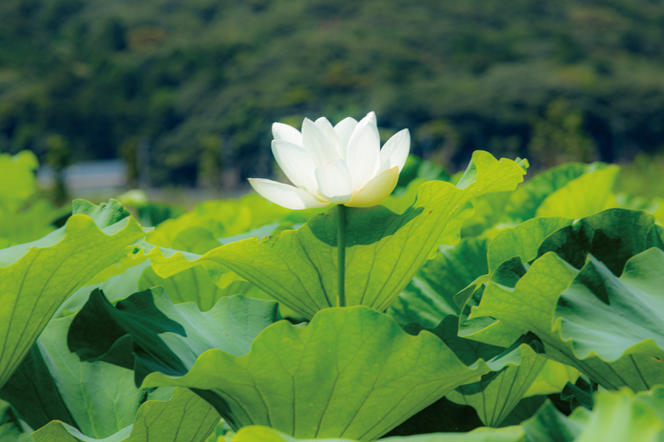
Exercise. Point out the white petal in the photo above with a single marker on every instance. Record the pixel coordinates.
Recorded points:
(314, 141)
(330, 135)
(296, 163)
(344, 130)
(281, 131)
(334, 182)
(285, 195)
(395, 151)
(376, 190)
(363, 156)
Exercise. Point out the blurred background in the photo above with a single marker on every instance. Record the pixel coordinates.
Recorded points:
(168, 95)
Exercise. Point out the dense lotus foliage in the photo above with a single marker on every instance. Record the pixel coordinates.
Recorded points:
(478, 307)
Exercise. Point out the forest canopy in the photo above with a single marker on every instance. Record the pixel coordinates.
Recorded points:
(195, 85)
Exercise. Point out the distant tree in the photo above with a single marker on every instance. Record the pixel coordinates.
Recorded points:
(559, 137)
(58, 157)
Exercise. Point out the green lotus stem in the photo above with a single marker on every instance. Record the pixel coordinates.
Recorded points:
(341, 253)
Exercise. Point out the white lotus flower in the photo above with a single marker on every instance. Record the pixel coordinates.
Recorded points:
(343, 164)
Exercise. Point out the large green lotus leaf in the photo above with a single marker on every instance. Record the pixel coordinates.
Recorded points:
(134, 273)
(522, 241)
(191, 285)
(552, 378)
(101, 397)
(622, 416)
(525, 200)
(513, 370)
(116, 281)
(352, 372)
(256, 433)
(429, 297)
(221, 219)
(505, 254)
(184, 418)
(33, 392)
(488, 213)
(617, 416)
(52, 383)
(550, 425)
(612, 236)
(28, 224)
(498, 392)
(609, 328)
(203, 286)
(35, 278)
(18, 180)
(384, 249)
(147, 332)
(588, 194)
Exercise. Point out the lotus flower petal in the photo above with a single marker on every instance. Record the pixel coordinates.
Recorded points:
(395, 152)
(334, 182)
(363, 154)
(296, 163)
(340, 164)
(288, 133)
(344, 129)
(285, 195)
(330, 135)
(314, 140)
(376, 190)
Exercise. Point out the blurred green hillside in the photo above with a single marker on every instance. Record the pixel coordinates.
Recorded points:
(194, 85)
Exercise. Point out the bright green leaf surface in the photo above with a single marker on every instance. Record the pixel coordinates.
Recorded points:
(511, 434)
(552, 378)
(612, 236)
(117, 282)
(618, 416)
(350, 373)
(148, 332)
(33, 392)
(429, 297)
(498, 392)
(622, 416)
(28, 224)
(37, 277)
(191, 285)
(184, 418)
(18, 180)
(513, 370)
(101, 397)
(384, 249)
(609, 328)
(588, 194)
(550, 425)
(525, 200)
(522, 241)
(209, 221)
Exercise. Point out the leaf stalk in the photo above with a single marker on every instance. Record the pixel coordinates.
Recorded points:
(341, 253)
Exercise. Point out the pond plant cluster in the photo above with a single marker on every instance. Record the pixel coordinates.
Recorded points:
(466, 308)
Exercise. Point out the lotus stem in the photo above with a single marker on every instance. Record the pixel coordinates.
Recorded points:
(341, 253)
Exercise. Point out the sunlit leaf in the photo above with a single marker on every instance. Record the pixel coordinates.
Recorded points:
(350, 373)
(35, 278)
(97, 398)
(588, 194)
(147, 332)
(609, 328)
(384, 249)
(429, 297)
(183, 418)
